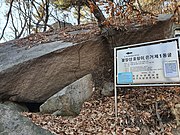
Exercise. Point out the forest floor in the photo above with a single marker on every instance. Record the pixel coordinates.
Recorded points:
(74, 34)
(141, 111)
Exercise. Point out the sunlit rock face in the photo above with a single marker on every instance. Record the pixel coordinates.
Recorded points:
(34, 74)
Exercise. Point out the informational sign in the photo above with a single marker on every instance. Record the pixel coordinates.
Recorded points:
(148, 64)
(152, 62)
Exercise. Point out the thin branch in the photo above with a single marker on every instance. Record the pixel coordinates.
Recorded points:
(142, 11)
(13, 25)
(159, 118)
(22, 23)
(36, 8)
(8, 15)
(22, 30)
(24, 13)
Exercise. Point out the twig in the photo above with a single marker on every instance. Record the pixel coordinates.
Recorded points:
(159, 118)
(8, 15)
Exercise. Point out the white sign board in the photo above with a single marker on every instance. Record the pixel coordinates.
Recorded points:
(152, 62)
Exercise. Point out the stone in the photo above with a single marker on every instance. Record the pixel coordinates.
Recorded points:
(79, 32)
(68, 101)
(13, 123)
(164, 17)
(60, 24)
(35, 74)
(16, 106)
(108, 89)
(140, 34)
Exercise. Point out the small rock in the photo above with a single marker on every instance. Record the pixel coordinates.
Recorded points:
(108, 89)
(163, 17)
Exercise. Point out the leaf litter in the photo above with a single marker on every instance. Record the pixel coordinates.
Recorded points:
(141, 111)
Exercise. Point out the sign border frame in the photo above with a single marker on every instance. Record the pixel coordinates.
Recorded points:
(139, 45)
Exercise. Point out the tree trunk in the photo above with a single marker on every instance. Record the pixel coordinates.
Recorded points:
(79, 12)
(97, 11)
(47, 15)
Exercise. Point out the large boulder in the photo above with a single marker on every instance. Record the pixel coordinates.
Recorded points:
(162, 29)
(15, 106)
(35, 74)
(69, 101)
(12, 123)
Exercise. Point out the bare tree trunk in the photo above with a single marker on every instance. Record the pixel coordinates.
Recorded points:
(97, 12)
(47, 15)
(29, 16)
(79, 12)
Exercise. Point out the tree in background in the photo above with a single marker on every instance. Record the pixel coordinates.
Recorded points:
(78, 5)
(124, 12)
(8, 16)
(25, 17)
(29, 16)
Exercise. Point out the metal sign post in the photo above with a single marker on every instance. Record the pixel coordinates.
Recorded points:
(147, 64)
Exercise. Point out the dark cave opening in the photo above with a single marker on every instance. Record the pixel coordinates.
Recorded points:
(33, 107)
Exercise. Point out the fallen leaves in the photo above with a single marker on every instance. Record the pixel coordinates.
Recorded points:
(63, 34)
(137, 114)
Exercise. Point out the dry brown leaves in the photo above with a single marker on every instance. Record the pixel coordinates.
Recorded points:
(63, 34)
(141, 111)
